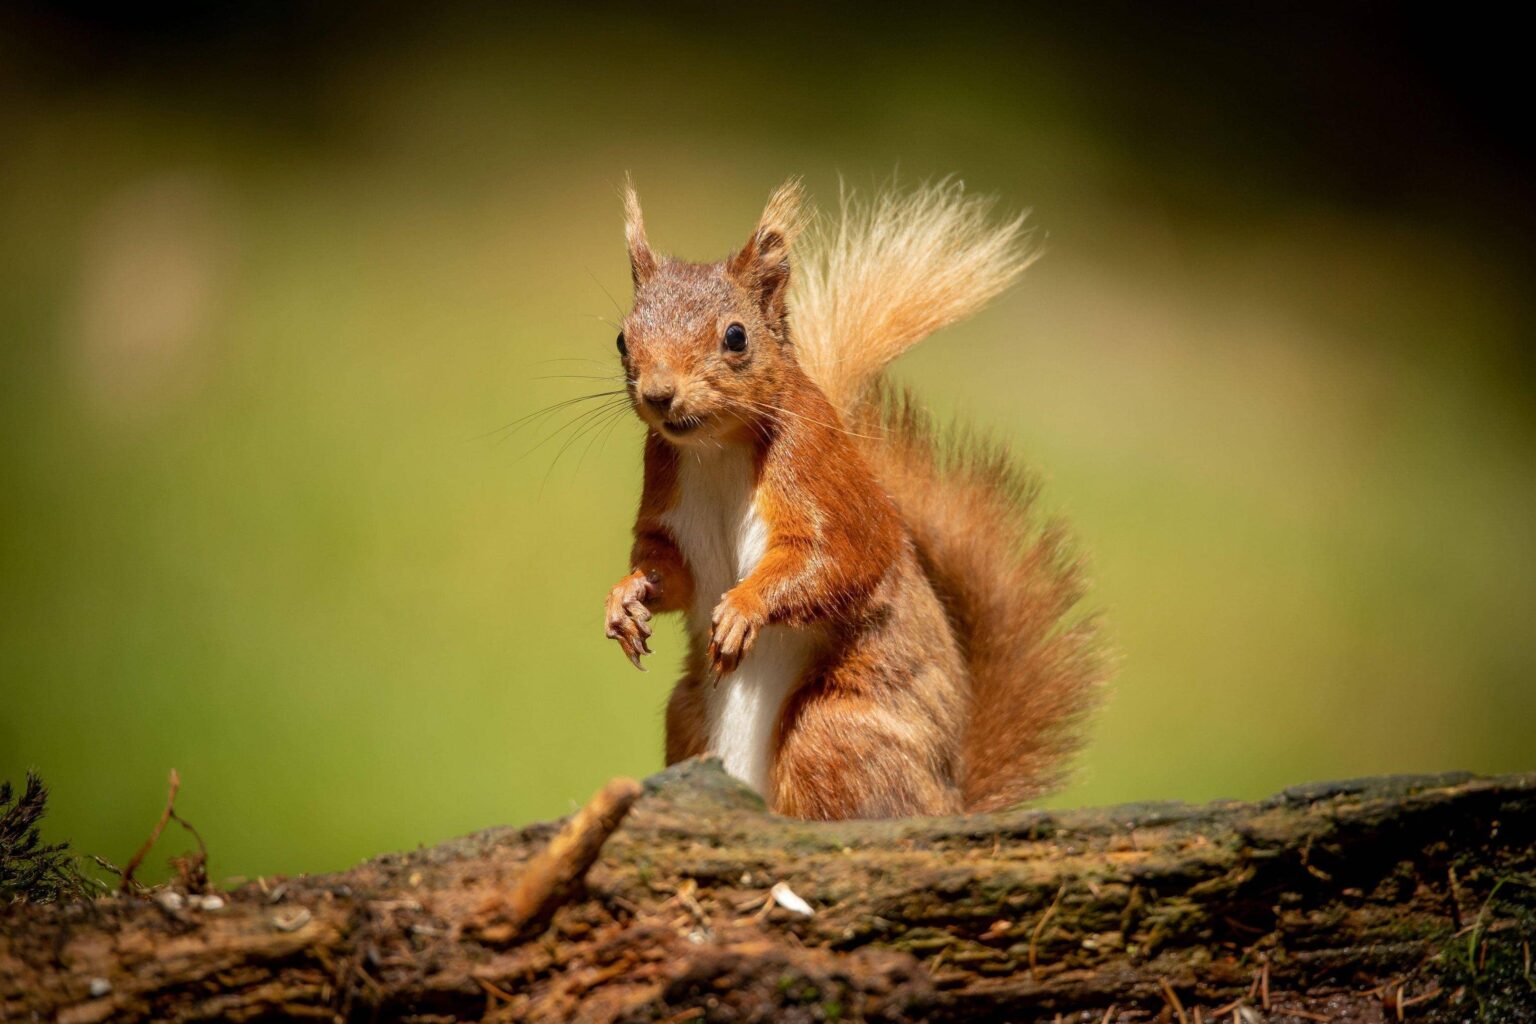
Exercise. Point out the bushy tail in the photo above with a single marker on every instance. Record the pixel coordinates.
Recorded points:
(1010, 584)
(890, 271)
(888, 274)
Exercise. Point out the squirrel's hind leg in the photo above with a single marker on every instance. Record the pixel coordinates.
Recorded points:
(847, 753)
(688, 714)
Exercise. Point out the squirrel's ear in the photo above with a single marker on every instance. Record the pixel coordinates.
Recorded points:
(762, 265)
(642, 261)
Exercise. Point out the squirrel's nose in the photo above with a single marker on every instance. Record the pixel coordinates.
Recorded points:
(659, 397)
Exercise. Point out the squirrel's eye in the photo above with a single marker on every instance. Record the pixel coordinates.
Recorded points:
(735, 338)
(623, 348)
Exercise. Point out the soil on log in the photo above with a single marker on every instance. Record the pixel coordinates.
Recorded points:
(1376, 900)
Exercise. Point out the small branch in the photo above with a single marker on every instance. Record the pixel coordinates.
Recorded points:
(1173, 1000)
(1034, 936)
(553, 876)
(192, 870)
(165, 817)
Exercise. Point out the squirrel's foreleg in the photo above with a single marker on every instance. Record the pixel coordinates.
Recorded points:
(660, 582)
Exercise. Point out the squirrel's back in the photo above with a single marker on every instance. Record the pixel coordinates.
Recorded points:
(871, 285)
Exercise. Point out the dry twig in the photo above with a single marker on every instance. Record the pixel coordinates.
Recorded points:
(553, 875)
(165, 816)
(1173, 1000)
(1034, 937)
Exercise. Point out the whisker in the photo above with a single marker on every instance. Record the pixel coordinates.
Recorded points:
(607, 433)
(579, 418)
(616, 307)
(522, 421)
(760, 429)
(768, 407)
(599, 438)
(612, 378)
(585, 429)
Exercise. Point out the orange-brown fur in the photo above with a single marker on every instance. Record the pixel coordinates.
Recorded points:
(939, 676)
(1009, 585)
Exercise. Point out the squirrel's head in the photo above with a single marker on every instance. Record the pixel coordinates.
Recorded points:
(706, 346)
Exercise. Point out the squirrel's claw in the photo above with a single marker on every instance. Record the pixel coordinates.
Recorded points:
(731, 637)
(633, 647)
(626, 618)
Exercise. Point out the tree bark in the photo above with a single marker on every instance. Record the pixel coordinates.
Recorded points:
(1374, 900)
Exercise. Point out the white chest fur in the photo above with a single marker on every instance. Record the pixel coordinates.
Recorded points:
(716, 523)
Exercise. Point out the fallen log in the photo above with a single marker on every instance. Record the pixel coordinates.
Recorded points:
(1375, 900)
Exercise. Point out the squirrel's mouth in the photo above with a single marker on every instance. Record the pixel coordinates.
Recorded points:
(682, 425)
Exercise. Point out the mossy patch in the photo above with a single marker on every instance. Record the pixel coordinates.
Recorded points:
(30, 869)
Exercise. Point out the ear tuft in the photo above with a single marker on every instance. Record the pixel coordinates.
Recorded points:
(762, 265)
(642, 261)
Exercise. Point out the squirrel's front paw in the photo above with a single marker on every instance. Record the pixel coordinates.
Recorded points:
(627, 617)
(735, 624)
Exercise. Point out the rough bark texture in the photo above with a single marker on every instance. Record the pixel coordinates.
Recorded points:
(1377, 900)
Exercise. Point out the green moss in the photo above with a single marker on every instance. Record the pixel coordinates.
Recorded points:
(1492, 958)
(30, 869)
(1167, 919)
(920, 941)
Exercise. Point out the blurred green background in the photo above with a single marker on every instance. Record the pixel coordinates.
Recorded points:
(273, 281)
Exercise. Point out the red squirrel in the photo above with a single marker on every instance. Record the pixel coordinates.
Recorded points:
(878, 627)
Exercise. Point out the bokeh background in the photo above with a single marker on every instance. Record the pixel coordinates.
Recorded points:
(276, 280)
